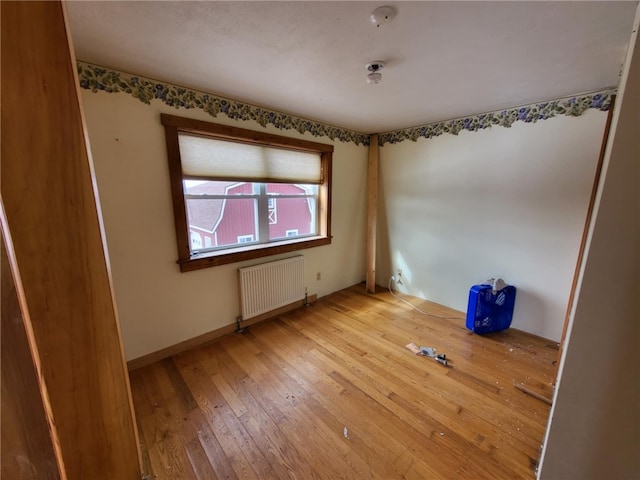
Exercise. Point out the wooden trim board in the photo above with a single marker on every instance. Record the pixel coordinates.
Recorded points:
(372, 212)
(211, 336)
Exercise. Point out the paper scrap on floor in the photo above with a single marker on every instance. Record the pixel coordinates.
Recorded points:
(412, 347)
(424, 351)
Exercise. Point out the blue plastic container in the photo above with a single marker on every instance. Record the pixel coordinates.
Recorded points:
(489, 312)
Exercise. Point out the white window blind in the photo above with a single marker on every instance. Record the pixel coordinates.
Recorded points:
(212, 159)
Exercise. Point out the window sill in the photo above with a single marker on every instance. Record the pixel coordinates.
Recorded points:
(214, 259)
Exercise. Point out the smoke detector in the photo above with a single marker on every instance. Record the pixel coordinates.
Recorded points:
(374, 68)
(382, 15)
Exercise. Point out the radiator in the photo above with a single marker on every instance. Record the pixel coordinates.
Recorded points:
(269, 286)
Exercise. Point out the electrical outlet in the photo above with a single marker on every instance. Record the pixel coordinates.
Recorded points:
(398, 277)
(318, 276)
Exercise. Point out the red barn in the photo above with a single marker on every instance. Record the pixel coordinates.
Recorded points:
(226, 221)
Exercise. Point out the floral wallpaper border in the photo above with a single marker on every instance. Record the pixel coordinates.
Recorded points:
(97, 78)
(571, 106)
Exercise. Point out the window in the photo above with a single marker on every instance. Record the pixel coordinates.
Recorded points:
(245, 238)
(239, 194)
(196, 240)
(273, 212)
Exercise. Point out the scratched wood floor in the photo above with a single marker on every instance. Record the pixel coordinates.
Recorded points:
(330, 392)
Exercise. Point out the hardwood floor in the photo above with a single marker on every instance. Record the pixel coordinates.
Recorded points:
(330, 392)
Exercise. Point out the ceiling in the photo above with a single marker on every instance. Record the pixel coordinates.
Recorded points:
(443, 59)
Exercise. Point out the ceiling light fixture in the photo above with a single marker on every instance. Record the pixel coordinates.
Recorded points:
(374, 75)
(382, 15)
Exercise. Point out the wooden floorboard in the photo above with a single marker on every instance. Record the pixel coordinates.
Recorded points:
(330, 391)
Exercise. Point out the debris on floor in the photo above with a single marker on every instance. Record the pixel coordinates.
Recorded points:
(430, 352)
(412, 347)
(346, 433)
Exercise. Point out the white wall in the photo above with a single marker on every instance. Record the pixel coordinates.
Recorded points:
(594, 425)
(511, 202)
(158, 305)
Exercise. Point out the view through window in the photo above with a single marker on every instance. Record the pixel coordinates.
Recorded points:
(222, 214)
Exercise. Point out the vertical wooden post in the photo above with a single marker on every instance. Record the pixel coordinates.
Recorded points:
(372, 212)
(53, 215)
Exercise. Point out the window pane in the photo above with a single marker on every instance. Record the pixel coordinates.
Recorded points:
(223, 222)
(292, 217)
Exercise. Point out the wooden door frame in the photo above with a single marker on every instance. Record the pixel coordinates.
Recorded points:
(53, 215)
(585, 233)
